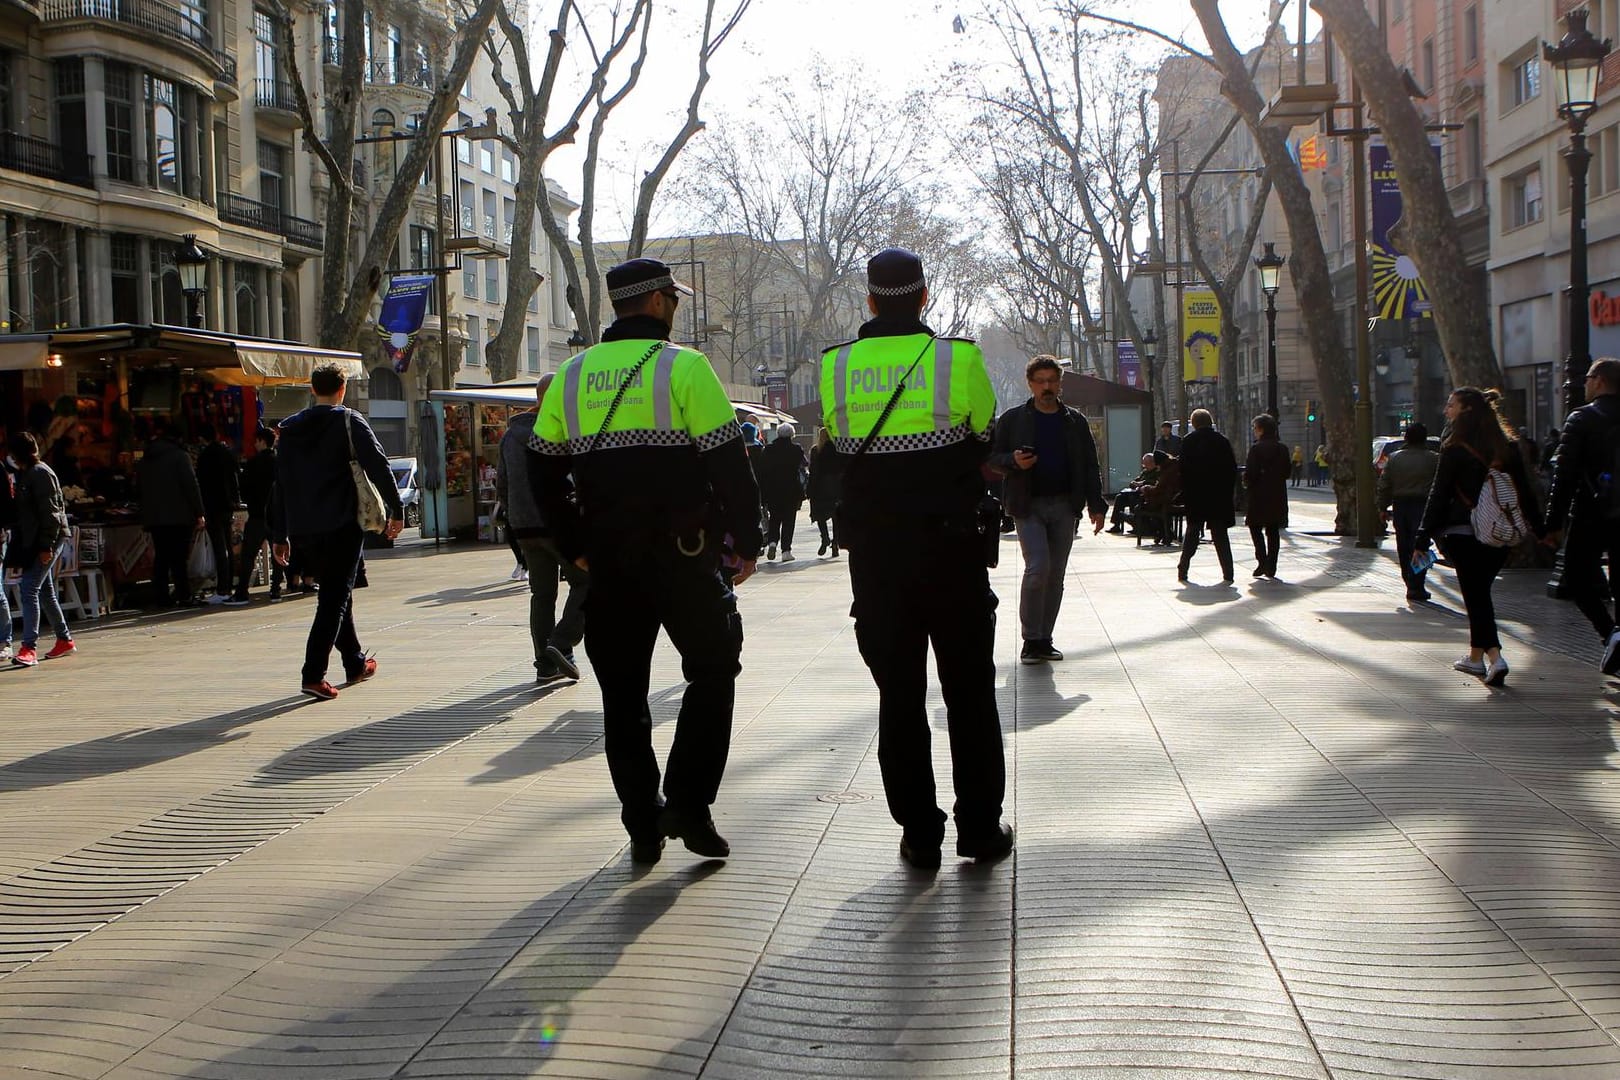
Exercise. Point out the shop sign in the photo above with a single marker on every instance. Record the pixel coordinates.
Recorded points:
(1604, 309)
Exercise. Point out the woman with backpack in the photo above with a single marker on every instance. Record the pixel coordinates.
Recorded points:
(1480, 506)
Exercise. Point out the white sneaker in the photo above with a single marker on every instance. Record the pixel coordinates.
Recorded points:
(1611, 655)
(1497, 673)
(1476, 668)
(5, 652)
(523, 575)
(516, 574)
(787, 556)
(216, 599)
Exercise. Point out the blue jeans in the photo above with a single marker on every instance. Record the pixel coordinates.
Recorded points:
(39, 586)
(5, 605)
(1047, 536)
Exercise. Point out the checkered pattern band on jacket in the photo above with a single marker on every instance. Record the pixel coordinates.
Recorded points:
(900, 444)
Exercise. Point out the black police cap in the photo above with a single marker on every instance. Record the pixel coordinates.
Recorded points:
(642, 276)
(894, 272)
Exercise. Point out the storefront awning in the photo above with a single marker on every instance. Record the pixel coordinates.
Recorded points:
(25, 352)
(251, 361)
(289, 360)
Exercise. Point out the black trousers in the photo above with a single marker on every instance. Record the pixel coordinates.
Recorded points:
(916, 588)
(1217, 536)
(1477, 565)
(1589, 587)
(219, 538)
(780, 526)
(332, 558)
(254, 534)
(1125, 500)
(1406, 515)
(1266, 540)
(639, 584)
(171, 550)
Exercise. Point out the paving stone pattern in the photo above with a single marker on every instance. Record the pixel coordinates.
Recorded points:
(1262, 831)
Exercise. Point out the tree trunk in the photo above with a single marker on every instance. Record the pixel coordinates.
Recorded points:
(1307, 263)
(1430, 236)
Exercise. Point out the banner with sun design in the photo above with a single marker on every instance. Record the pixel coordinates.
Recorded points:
(1397, 290)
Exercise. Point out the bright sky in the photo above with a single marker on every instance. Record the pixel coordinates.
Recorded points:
(901, 43)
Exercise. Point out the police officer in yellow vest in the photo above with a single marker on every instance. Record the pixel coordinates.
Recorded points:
(663, 482)
(908, 517)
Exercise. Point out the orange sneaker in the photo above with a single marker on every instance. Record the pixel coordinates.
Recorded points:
(322, 691)
(363, 672)
(60, 649)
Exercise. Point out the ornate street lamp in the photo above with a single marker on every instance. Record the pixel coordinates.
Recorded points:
(192, 263)
(1576, 62)
(1270, 265)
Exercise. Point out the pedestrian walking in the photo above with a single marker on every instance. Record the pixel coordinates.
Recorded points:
(1208, 482)
(315, 511)
(782, 470)
(8, 523)
(1403, 491)
(1047, 453)
(1265, 475)
(40, 541)
(1586, 501)
(258, 481)
(826, 482)
(1479, 442)
(1297, 464)
(171, 511)
(219, 478)
(911, 413)
(553, 639)
(657, 455)
(1168, 441)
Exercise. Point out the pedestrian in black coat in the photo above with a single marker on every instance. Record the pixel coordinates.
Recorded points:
(826, 482)
(781, 468)
(1265, 475)
(219, 476)
(1208, 479)
(171, 510)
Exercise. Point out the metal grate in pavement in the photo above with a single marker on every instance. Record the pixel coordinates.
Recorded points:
(53, 904)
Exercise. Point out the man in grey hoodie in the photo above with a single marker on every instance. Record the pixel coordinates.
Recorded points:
(554, 639)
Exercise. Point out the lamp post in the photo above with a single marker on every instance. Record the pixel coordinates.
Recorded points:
(1150, 353)
(1270, 265)
(1576, 61)
(192, 263)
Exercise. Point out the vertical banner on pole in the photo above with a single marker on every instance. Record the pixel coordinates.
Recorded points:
(1397, 290)
(1127, 365)
(1201, 322)
(400, 320)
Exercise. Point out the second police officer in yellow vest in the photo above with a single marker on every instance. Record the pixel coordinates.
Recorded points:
(657, 457)
(912, 488)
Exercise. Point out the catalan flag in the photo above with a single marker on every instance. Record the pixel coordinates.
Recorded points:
(1312, 154)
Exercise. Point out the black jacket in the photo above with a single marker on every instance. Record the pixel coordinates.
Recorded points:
(1583, 453)
(1457, 481)
(780, 468)
(218, 475)
(258, 480)
(8, 495)
(826, 481)
(1209, 477)
(41, 515)
(314, 490)
(1016, 427)
(169, 493)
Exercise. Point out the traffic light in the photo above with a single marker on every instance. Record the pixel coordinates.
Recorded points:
(1310, 411)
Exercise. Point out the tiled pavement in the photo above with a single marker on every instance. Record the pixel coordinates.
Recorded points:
(1264, 831)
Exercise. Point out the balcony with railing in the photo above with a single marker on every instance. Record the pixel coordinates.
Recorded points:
(227, 67)
(37, 157)
(273, 93)
(241, 210)
(186, 23)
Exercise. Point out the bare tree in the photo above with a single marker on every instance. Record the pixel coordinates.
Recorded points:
(349, 282)
(1461, 310)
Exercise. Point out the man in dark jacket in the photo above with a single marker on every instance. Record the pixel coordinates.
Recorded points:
(1127, 500)
(171, 510)
(313, 507)
(1403, 491)
(1583, 477)
(1168, 442)
(1050, 459)
(554, 639)
(218, 475)
(1208, 481)
(258, 481)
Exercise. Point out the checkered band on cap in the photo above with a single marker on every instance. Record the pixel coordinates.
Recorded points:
(897, 290)
(625, 292)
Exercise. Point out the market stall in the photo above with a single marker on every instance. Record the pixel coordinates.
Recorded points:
(91, 394)
(472, 421)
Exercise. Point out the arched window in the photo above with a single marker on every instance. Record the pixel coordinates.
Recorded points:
(385, 385)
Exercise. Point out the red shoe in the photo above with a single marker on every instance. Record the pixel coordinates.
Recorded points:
(321, 691)
(60, 649)
(25, 657)
(363, 672)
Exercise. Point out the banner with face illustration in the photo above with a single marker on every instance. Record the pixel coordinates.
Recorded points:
(1201, 345)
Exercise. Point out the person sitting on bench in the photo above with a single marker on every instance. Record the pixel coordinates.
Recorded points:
(1127, 500)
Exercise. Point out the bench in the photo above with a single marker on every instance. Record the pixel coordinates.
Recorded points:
(1164, 525)
(94, 601)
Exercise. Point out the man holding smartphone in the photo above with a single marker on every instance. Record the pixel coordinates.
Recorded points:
(1046, 451)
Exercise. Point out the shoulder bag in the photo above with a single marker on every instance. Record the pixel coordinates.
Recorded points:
(370, 512)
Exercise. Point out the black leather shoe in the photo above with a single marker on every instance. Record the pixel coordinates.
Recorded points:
(646, 852)
(986, 847)
(696, 831)
(919, 855)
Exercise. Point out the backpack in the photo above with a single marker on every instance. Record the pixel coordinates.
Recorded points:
(1497, 518)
